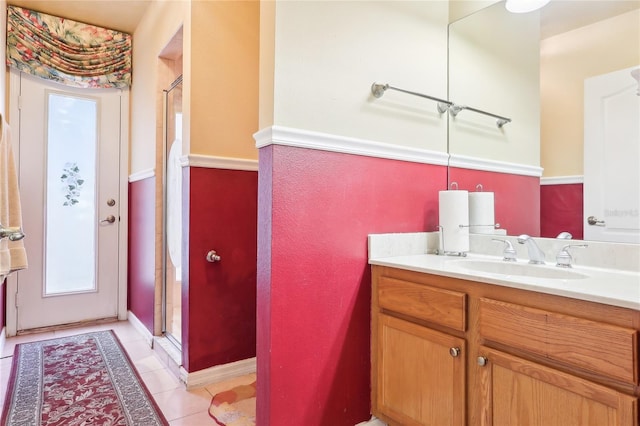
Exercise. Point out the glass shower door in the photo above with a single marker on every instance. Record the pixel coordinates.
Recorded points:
(172, 234)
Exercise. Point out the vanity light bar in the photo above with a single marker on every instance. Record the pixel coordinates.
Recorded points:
(378, 90)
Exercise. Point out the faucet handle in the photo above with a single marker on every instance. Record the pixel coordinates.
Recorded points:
(564, 236)
(563, 258)
(509, 252)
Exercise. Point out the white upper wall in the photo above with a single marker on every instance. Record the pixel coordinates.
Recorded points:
(494, 66)
(328, 53)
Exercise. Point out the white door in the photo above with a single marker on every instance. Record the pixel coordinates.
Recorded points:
(69, 153)
(612, 157)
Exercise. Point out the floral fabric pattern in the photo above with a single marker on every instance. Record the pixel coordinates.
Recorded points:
(70, 52)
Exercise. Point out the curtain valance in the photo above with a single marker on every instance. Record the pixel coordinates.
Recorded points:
(67, 51)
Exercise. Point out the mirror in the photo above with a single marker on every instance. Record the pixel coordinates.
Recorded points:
(531, 68)
(493, 66)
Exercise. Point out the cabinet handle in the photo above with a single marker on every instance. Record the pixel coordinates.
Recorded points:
(454, 352)
(482, 361)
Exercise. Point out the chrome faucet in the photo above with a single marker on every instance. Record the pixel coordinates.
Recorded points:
(509, 253)
(563, 258)
(536, 256)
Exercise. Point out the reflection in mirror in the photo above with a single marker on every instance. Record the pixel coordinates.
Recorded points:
(532, 68)
(493, 66)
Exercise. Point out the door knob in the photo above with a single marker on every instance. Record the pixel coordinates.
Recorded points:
(109, 219)
(482, 361)
(592, 220)
(212, 256)
(454, 352)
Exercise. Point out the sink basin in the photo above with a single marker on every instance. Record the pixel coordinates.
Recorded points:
(519, 269)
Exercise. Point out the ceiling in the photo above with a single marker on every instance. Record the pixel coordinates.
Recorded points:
(121, 15)
(564, 15)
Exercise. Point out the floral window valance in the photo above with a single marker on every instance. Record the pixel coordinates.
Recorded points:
(67, 51)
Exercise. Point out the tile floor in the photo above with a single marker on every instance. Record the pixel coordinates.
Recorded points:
(179, 406)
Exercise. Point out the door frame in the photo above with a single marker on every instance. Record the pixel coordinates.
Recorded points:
(123, 187)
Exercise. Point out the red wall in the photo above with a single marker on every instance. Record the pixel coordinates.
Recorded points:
(517, 197)
(314, 288)
(142, 249)
(561, 209)
(315, 211)
(219, 299)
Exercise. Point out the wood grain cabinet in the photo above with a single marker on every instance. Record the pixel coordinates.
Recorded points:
(517, 391)
(418, 369)
(453, 352)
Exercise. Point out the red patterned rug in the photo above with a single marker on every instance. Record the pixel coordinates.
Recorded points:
(86, 379)
(235, 407)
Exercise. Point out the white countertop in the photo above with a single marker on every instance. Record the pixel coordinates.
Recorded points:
(608, 286)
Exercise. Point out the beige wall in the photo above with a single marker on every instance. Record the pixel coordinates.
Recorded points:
(220, 74)
(3, 69)
(566, 60)
(327, 55)
(162, 20)
(224, 78)
(267, 62)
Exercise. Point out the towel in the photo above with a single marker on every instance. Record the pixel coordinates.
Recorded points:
(12, 253)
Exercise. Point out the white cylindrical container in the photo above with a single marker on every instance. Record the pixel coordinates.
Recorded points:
(453, 211)
(481, 213)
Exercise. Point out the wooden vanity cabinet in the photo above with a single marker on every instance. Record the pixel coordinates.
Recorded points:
(418, 352)
(419, 368)
(453, 352)
(516, 391)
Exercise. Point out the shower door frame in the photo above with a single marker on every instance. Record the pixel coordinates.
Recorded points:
(165, 143)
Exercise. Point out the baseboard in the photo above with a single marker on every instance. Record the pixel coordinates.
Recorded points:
(202, 377)
(218, 373)
(373, 422)
(140, 327)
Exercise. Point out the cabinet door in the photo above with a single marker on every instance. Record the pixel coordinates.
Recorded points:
(420, 374)
(520, 392)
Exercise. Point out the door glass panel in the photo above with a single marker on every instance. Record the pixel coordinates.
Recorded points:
(70, 218)
(173, 207)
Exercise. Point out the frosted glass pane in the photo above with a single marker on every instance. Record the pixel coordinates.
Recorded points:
(71, 193)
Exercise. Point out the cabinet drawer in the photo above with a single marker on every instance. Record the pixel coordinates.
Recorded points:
(431, 304)
(594, 346)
